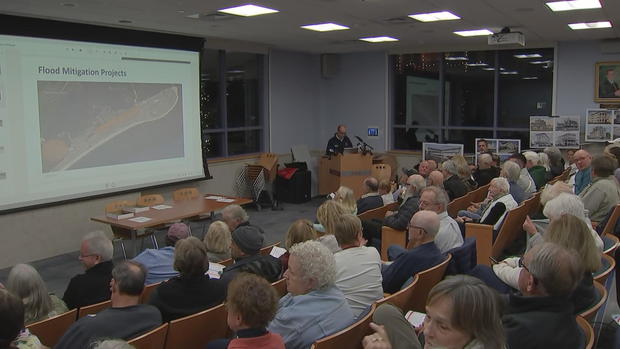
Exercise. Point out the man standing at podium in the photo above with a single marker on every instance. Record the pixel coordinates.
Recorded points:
(340, 141)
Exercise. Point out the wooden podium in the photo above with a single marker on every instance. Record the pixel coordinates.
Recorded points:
(349, 170)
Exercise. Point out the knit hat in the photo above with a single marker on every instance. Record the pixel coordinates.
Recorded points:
(177, 231)
(248, 238)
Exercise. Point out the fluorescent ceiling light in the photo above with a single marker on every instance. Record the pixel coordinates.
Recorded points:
(509, 72)
(456, 58)
(531, 55)
(557, 6)
(477, 32)
(324, 27)
(530, 78)
(435, 16)
(379, 39)
(540, 62)
(248, 10)
(488, 68)
(591, 25)
(476, 64)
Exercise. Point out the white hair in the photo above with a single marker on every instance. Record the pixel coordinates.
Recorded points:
(562, 204)
(316, 262)
(236, 212)
(532, 156)
(544, 160)
(418, 182)
(502, 184)
(99, 244)
(485, 159)
(450, 167)
(511, 170)
(112, 344)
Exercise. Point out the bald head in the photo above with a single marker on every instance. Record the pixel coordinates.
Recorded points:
(371, 184)
(427, 220)
(582, 159)
(436, 178)
(432, 165)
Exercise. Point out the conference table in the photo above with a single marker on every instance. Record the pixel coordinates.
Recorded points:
(169, 212)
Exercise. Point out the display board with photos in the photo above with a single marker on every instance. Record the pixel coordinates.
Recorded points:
(502, 147)
(440, 152)
(602, 125)
(561, 132)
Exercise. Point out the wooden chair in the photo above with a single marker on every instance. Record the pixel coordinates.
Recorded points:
(185, 194)
(588, 331)
(612, 242)
(265, 251)
(146, 292)
(611, 223)
(479, 194)
(280, 287)
(564, 176)
(227, 262)
(402, 298)
(458, 204)
(533, 203)
(51, 330)
(350, 337)
(93, 308)
(427, 280)
(377, 213)
(608, 265)
(150, 200)
(195, 331)
(483, 234)
(510, 230)
(590, 313)
(155, 339)
(389, 237)
(381, 172)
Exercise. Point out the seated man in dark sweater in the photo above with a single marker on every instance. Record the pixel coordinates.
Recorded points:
(126, 318)
(371, 198)
(485, 171)
(541, 315)
(94, 285)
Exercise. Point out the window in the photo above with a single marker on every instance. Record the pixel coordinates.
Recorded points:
(455, 97)
(231, 97)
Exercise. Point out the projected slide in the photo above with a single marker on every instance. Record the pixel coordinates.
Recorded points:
(72, 126)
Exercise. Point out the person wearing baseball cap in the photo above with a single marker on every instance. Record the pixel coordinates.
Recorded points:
(159, 262)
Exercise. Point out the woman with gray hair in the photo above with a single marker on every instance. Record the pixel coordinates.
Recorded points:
(556, 162)
(314, 307)
(499, 203)
(25, 282)
(511, 171)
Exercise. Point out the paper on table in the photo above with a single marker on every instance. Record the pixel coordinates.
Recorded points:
(140, 219)
(213, 197)
(415, 318)
(225, 200)
(161, 207)
(276, 252)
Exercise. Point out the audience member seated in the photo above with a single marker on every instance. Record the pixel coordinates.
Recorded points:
(126, 318)
(328, 214)
(192, 291)
(385, 191)
(112, 344)
(314, 307)
(485, 172)
(556, 162)
(464, 172)
(158, 263)
(217, 240)
(13, 335)
(512, 172)
(452, 183)
(449, 235)
(525, 180)
(26, 283)
(344, 195)
(251, 304)
(423, 254)
(235, 216)
(358, 268)
(603, 194)
(301, 230)
(94, 285)
(541, 316)
(371, 198)
(461, 313)
(432, 165)
(500, 203)
(424, 169)
(583, 177)
(435, 179)
(537, 172)
(245, 251)
(613, 150)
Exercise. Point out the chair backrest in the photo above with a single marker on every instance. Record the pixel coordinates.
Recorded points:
(51, 330)
(150, 200)
(402, 298)
(458, 204)
(117, 205)
(510, 230)
(483, 233)
(155, 339)
(427, 280)
(195, 331)
(464, 258)
(280, 287)
(146, 292)
(587, 330)
(533, 203)
(227, 262)
(376, 213)
(590, 313)
(381, 171)
(564, 176)
(612, 242)
(608, 265)
(185, 194)
(351, 337)
(93, 308)
(265, 251)
(389, 237)
(611, 223)
(480, 193)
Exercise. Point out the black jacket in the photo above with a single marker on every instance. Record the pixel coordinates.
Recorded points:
(401, 218)
(266, 266)
(336, 146)
(454, 187)
(483, 177)
(369, 203)
(89, 288)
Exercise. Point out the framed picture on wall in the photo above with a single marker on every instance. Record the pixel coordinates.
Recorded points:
(440, 152)
(607, 86)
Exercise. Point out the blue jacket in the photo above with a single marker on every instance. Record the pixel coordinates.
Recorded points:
(582, 179)
(158, 264)
(408, 264)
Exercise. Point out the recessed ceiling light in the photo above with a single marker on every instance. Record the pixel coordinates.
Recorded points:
(573, 5)
(509, 72)
(531, 55)
(476, 64)
(488, 69)
(435, 16)
(456, 58)
(477, 32)
(540, 62)
(591, 25)
(530, 78)
(379, 39)
(248, 10)
(324, 27)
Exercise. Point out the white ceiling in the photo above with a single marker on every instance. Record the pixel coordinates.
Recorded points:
(541, 26)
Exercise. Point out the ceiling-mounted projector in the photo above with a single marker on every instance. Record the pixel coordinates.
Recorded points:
(507, 37)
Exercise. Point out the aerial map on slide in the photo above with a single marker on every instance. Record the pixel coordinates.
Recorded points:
(91, 124)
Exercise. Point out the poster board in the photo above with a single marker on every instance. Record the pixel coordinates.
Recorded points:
(440, 152)
(561, 132)
(600, 125)
(503, 147)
